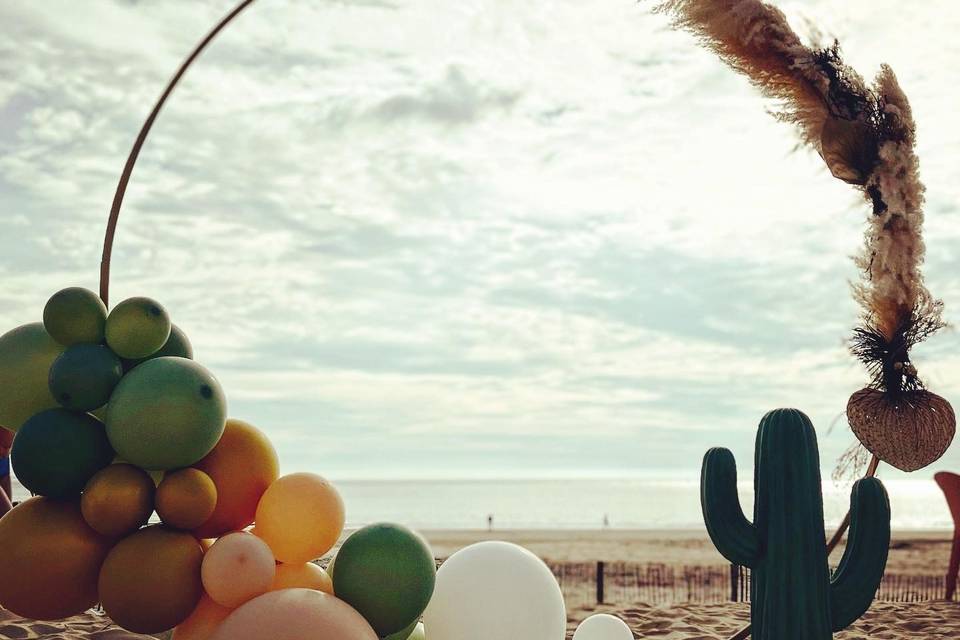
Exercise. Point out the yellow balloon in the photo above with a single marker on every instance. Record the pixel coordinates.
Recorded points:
(26, 354)
(300, 516)
(302, 576)
(118, 500)
(202, 622)
(186, 498)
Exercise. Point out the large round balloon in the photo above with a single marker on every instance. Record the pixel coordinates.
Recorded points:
(295, 614)
(414, 632)
(301, 576)
(202, 622)
(49, 560)
(238, 566)
(84, 376)
(186, 498)
(300, 516)
(150, 581)
(57, 451)
(242, 466)
(166, 413)
(178, 344)
(386, 572)
(137, 328)
(603, 626)
(74, 316)
(26, 354)
(494, 590)
(118, 500)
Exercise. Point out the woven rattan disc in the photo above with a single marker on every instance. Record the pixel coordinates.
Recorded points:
(908, 433)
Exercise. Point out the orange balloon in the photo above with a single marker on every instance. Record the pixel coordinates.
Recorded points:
(238, 566)
(150, 581)
(118, 500)
(302, 576)
(202, 622)
(301, 517)
(242, 466)
(186, 498)
(295, 614)
(49, 560)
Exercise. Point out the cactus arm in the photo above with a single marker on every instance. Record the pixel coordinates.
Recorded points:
(857, 578)
(733, 535)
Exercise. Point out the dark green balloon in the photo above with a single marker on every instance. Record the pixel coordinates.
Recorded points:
(387, 573)
(177, 345)
(84, 375)
(75, 316)
(57, 451)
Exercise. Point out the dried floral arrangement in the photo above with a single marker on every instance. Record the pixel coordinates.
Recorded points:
(866, 135)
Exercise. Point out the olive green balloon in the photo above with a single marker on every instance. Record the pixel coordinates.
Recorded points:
(26, 354)
(413, 632)
(57, 451)
(137, 328)
(83, 377)
(166, 413)
(75, 316)
(387, 573)
(178, 344)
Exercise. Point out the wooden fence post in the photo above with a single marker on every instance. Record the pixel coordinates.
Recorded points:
(734, 581)
(600, 582)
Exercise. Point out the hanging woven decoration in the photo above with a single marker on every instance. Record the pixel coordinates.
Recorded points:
(866, 136)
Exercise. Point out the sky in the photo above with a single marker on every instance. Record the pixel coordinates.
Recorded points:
(484, 238)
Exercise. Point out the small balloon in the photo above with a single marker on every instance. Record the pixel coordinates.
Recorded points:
(603, 626)
(242, 466)
(83, 377)
(495, 590)
(26, 354)
(300, 516)
(185, 420)
(75, 316)
(118, 500)
(295, 614)
(178, 345)
(301, 576)
(386, 572)
(239, 566)
(57, 451)
(150, 581)
(50, 560)
(202, 622)
(186, 498)
(414, 632)
(137, 328)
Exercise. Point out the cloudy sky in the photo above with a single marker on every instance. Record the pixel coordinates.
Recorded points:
(422, 237)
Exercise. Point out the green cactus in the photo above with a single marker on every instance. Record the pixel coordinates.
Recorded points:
(793, 595)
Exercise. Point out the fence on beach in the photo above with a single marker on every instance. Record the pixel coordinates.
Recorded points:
(588, 583)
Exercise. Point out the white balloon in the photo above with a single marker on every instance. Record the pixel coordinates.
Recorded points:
(603, 626)
(495, 591)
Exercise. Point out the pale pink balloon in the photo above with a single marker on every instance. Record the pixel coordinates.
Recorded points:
(238, 566)
(295, 614)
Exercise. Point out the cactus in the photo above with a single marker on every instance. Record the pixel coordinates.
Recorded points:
(793, 595)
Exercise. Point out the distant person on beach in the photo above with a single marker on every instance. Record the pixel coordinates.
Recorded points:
(490, 522)
(6, 490)
(606, 521)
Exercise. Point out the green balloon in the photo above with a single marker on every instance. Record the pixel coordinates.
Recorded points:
(57, 451)
(74, 316)
(84, 376)
(166, 413)
(26, 354)
(387, 573)
(178, 344)
(137, 328)
(412, 632)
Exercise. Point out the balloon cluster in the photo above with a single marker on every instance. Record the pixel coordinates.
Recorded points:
(115, 421)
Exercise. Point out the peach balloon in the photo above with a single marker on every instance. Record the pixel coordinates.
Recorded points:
(49, 560)
(295, 614)
(301, 517)
(302, 576)
(242, 466)
(238, 566)
(186, 498)
(203, 621)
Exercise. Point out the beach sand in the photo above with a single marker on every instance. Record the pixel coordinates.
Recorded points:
(912, 553)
